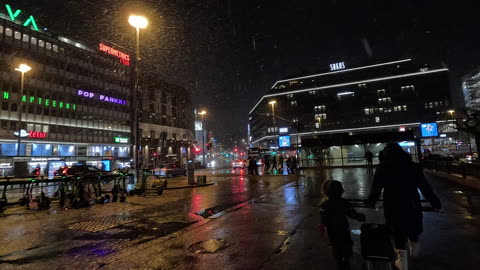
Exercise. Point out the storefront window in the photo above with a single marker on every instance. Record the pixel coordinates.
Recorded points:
(353, 154)
(66, 150)
(10, 149)
(41, 149)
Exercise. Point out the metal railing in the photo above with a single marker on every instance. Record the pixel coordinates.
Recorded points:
(453, 167)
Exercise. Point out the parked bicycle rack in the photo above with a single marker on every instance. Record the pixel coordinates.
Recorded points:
(76, 190)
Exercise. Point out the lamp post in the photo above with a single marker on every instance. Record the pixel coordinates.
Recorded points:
(273, 102)
(22, 68)
(137, 22)
(202, 114)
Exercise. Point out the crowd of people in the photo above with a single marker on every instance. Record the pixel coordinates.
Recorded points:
(273, 164)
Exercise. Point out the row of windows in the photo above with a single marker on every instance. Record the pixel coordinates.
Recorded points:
(272, 129)
(100, 68)
(320, 116)
(77, 112)
(384, 100)
(436, 104)
(58, 132)
(320, 108)
(400, 108)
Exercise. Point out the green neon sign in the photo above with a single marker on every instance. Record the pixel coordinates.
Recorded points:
(44, 102)
(120, 140)
(29, 22)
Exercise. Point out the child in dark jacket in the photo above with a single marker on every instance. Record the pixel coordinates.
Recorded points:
(334, 212)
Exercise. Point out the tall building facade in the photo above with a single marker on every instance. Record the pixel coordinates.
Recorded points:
(76, 102)
(471, 90)
(338, 115)
(166, 122)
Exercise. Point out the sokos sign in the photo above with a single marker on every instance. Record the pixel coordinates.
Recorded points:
(337, 66)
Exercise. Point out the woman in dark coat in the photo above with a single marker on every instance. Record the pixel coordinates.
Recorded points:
(400, 179)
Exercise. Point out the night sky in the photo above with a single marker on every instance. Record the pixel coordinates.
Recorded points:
(228, 53)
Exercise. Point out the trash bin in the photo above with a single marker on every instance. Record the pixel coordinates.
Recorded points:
(201, 179)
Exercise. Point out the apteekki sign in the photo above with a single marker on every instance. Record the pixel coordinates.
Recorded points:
(16, 15)
(46, 102)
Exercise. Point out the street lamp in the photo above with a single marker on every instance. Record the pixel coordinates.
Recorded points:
(137, 22)
(202, 114)
(22, 68)
(451, 112)
(273, 102)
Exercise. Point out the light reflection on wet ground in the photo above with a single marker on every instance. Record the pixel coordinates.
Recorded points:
(256, 229)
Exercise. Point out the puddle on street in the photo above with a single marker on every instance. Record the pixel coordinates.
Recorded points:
(205, 213)
(209, 246)
(143, 228)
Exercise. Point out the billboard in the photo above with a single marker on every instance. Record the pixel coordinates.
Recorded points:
(284, 141)
(429, 130)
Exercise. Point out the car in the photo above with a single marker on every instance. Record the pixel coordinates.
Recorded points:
(170, 170)
(239, 164)
(79, 169)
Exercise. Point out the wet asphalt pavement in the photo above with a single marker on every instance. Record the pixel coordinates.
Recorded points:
(241, 222)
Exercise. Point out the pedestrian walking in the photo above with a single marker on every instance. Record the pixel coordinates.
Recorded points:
(280, 163)
(255, 167)
(288, 162)
(274, 164)
(369, 158)
(400, 179)
(334, 212)
(266, 165)
(248, 163)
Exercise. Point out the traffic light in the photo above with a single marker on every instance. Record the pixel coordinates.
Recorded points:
(236, 149)
(154, 154)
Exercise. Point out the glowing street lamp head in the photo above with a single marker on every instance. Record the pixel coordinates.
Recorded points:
(451, 111)
(202, 112)
(272, 102)
(23, 68)
(137, 21)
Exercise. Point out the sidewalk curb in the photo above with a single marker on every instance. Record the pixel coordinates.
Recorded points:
(191, 186)
(468, 182)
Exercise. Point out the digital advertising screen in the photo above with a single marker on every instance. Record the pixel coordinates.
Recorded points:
(54, 165)
(284, 141)
(429, 130)
(106, 165)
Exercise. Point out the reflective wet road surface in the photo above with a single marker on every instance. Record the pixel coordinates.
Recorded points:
(241, 222)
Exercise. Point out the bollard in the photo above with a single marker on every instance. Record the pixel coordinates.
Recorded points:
(201, 179)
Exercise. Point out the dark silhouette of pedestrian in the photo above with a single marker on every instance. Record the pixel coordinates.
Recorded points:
(274, 164)
(266, 164)
(288, 163)
(369, 158)
(334, 212)
(400, 179)
(250, 167)
(294, 164)
(255, 167)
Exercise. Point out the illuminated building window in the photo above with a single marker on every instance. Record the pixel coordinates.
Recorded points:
(377, 119)
(25, 38)
(33, 41)
(293, 103)
(381, 92)
(367, 111)
(55, 48)
(320, 108)
(48, 46)
(41, 43)
(8, 32)
(405, 108)
(1, 29)
(322, 116)
(17, 35)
